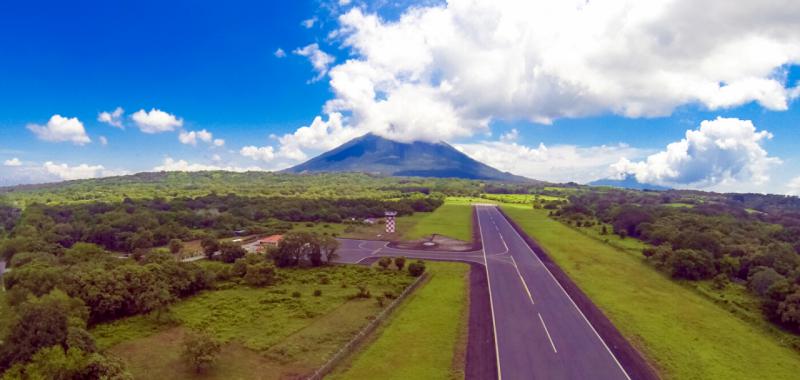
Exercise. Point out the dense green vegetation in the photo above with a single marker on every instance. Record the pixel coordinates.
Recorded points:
(713, 239)
(435, 317)
(685, 334)
(288, 329)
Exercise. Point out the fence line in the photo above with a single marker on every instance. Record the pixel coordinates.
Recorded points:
(359, 338)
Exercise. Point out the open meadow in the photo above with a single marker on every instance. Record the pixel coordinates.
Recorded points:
(285, 330)
(426, 336)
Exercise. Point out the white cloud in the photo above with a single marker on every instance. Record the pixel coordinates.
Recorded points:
(60, 129)
(156, 121)
(172, 165)
(319, 59)
(557, 163)
(264, 153)
(191, 138)
(461, 65)
(510, 136)
(279, 53)
(103, 140)
(113, 118)
(216, 158)
(320, 135)
(344, 2)
(12, 162)
(82, 171)
(721, 152)
(218, 142)
(794, 186)
(309, 23)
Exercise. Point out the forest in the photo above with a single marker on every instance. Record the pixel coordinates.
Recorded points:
(747, 238)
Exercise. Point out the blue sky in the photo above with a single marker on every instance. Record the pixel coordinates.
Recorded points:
(213, 67)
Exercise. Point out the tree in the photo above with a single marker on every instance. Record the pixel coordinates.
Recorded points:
(230, 252)
(200, 351)
(400, 262)
(261, 274)
(175, 246)
(42, 322)
(328, 246)
(416, 268)
(692, 264)
(789, 310)
(762, 279)
(210, 246)
(384, 262)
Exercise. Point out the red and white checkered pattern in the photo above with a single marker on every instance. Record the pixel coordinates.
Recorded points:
(390, 224)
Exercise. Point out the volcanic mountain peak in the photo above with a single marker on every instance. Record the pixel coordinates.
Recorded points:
(377, 155)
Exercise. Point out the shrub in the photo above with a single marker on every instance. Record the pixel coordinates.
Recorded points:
(200, 351)
(175, 246)
(720, 281)
(324, 280)
(363, 292)
(381, 300)
(262, 274)
(296, 294)
(384, 262)
(389, 295)
(317, 293)
(400, 262)
(417, 268)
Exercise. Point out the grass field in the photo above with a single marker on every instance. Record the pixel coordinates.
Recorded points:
(685, 334)
(267, 333)
(453, 219)
(426, 336)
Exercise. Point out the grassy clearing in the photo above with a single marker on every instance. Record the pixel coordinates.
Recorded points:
(268, 333)
(685, 334)
(453, 219)
(425, 337)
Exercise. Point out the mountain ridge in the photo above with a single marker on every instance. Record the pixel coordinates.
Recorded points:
(377, 155)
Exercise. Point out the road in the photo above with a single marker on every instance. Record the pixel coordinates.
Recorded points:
(539, 331)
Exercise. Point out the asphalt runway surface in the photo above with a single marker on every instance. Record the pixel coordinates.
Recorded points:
(539, 331)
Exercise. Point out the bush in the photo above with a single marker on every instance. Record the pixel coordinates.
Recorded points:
(417, 268)
(317, 293)
(400, 262)
(389, 295)
(381, 300)
(296, 294)
(324, 280)
(720, 281)
(175, 246)
(261, 274)
(384, 262)
(363, 292)
(200, 351)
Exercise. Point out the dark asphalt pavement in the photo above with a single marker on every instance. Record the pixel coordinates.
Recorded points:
(539, 331)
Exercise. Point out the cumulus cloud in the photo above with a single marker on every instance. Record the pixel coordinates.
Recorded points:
(82, 171)
(279, 53)
(319, 59)
(557, 163)
(12, 162)
(264, 153)
(463, 64)
(191, 138)
(721, 151)
(320, 135)
(156, 121)
(218, 142)
(794, 186)
(172, 165)
(103, 140)
(113, 118)
(61, 129)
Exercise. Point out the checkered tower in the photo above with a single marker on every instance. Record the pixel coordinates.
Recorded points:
(391, 224)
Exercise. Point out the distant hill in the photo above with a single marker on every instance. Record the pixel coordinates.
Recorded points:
(629, 182)
(376, 155)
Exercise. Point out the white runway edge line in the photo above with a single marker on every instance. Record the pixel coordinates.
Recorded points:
(491, 302)
(548, 333)
(530, 297)
(574, 305)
